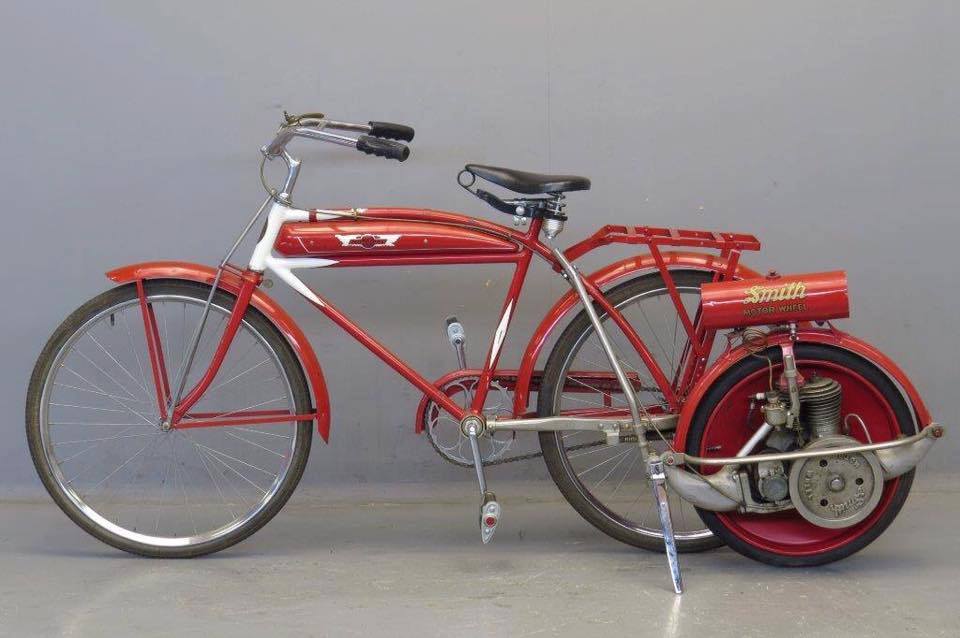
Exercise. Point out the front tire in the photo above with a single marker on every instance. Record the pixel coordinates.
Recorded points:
(91, 402)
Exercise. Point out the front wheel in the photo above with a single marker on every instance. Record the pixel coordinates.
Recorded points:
(94, 430)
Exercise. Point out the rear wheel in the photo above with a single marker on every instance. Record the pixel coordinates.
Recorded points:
(607, 484)
(720, 428)
(94, 432)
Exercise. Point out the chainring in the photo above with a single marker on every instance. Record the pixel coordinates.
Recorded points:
(444, 433)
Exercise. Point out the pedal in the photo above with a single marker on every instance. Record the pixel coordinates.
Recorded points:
(489, 516)
(458, 340)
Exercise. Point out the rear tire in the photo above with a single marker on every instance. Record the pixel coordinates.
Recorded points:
(555, 454)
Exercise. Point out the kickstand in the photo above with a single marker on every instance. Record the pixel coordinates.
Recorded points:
(658, 480)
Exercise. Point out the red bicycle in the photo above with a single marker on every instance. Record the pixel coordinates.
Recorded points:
(171, 415)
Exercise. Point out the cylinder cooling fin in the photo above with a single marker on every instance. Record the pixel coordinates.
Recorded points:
(820, 402)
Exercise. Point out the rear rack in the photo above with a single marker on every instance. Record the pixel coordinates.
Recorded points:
(655, 236)
(730, 246)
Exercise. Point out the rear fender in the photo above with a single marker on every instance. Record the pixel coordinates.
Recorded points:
(675, 260)
(230, 282)
(827, 336)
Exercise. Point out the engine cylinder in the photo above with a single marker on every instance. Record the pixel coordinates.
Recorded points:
(820, 399)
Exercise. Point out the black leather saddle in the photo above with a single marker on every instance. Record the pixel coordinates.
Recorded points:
(529, 183)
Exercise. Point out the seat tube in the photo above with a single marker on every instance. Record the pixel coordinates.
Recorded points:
(500, 335)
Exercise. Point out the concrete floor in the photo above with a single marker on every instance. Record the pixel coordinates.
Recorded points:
(338, 563)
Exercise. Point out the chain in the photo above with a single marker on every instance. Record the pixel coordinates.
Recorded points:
(509, 459)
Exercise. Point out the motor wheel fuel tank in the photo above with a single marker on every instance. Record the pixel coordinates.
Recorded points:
(775, 299)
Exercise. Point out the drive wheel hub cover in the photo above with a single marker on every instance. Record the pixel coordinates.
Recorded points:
(836, 491)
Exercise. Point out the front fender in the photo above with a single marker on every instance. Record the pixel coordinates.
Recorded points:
(828, 336)
(604, 277)
(230, 281)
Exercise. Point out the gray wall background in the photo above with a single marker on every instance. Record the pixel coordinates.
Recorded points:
(130, 132)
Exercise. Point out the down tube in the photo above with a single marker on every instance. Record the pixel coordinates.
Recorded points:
(385, 355)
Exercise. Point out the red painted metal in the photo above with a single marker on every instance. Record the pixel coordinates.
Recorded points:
(775, 299)
(388, 357)
(649, 361)
(457, 232)
(155, 350)
(283, 417)
(249, 282)
(496, 344)
(787, 533)
(827, 336)
(688, 327)
(602, 279)
(654, 236)
(231, 282)
(369, 242)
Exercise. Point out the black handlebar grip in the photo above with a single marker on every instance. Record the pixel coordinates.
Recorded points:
(382, 148)
(391, 131)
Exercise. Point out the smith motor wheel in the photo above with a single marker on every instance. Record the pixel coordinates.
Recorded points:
(842, 503)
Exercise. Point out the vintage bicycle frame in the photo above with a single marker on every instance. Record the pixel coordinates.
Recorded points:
(397, 221)
(528, 244)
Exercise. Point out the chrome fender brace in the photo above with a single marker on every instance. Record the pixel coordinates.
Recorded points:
(654, 464)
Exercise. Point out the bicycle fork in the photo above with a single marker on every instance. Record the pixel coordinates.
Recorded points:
(654, 463)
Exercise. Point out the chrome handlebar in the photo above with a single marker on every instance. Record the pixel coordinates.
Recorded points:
(376, 140)
(312, 125)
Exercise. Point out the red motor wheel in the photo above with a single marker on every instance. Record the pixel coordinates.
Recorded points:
(720, 428)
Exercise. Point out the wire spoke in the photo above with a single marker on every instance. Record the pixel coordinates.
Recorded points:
(626, 474)
(120, 403)
(106, 438)
(121, 466)
(234, 378)
(228, 433)
(120, 365)
(282, 436)
(84, 407)
(602, 463)
(135, 350)
(623, 457)
(97, 392)
(104, 373)
(233, 458)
